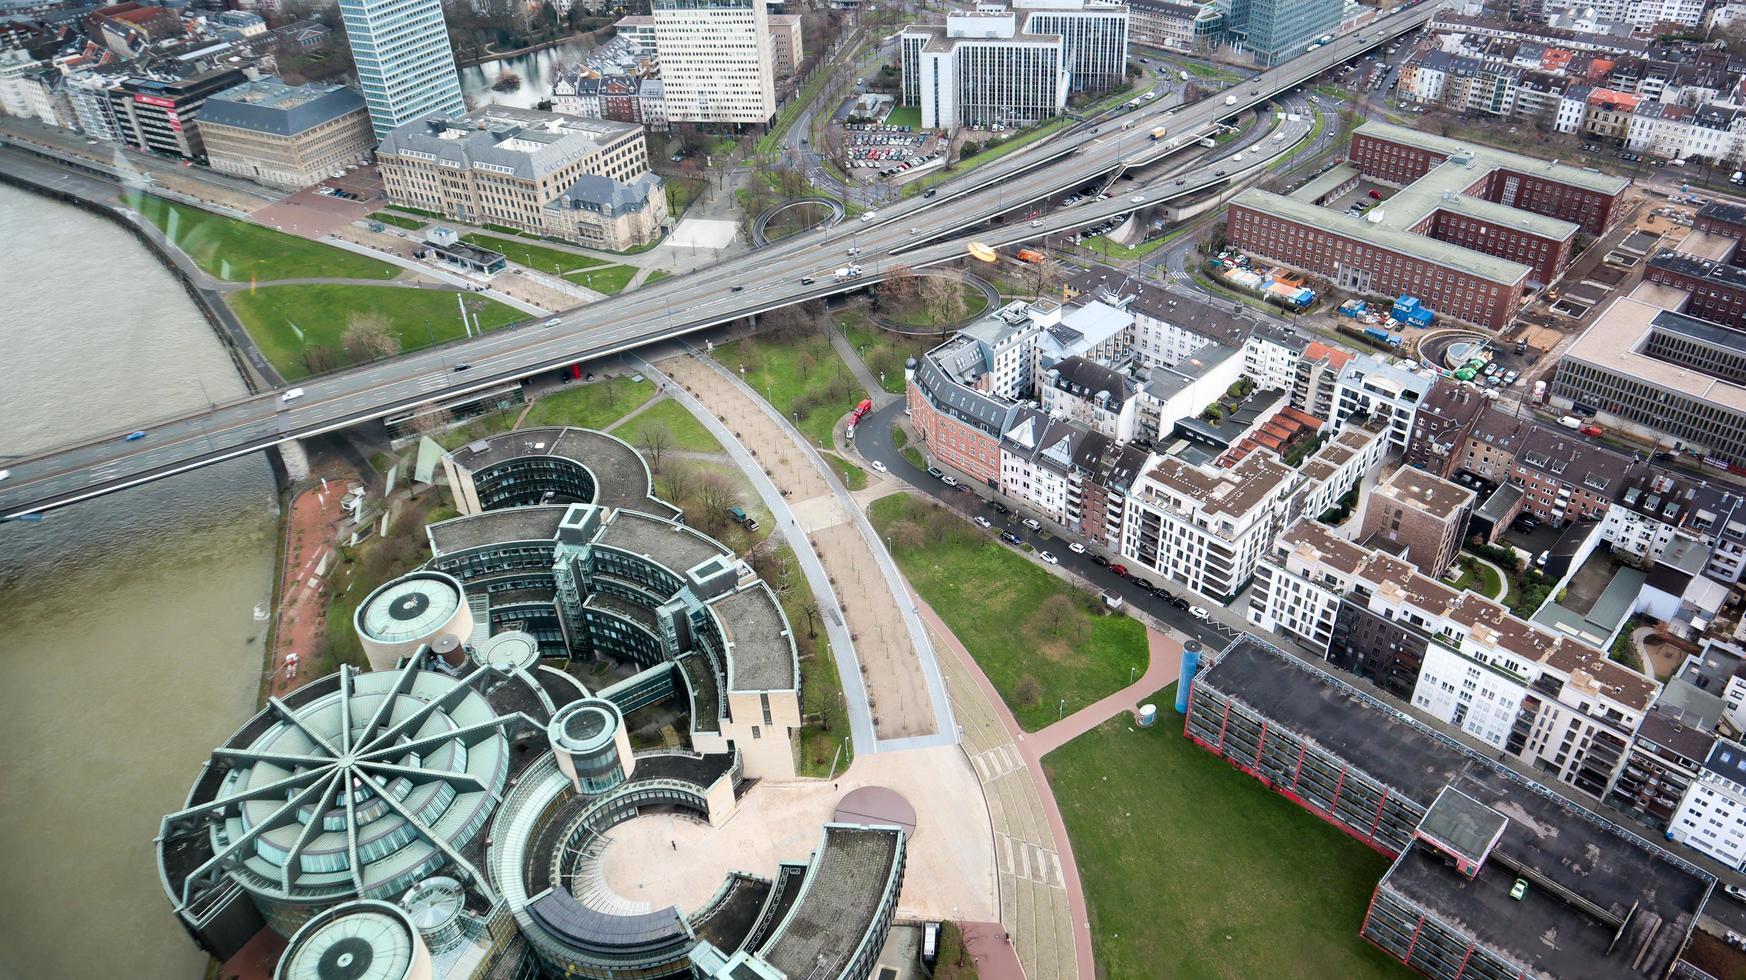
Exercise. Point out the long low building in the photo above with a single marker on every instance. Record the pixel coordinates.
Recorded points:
(1470, 230)
(1493, 875)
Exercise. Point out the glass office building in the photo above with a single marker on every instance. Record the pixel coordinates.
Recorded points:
(405, 66)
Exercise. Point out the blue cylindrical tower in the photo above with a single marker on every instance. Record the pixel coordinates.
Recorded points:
(1190, 665)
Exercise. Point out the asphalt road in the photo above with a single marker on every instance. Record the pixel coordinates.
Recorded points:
(918, 232)
(873, 440)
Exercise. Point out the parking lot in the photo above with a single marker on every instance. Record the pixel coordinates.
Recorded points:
(888, 150)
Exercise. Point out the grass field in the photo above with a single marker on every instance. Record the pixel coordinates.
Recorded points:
(909, 452)
(683, 429)
(905, 115)
(655, 276)
(243, 252)
(801, 376)
(549, 260)
(915, 312)
(275, 314)
(591, 406)
(1479, 577)
(852, 476)
(397, 220)
(1192, 869)
(821, 688)
(608, 279)
(1110, 249)
(993, 599)
(881, 350)
(1014, 142)
(418, 211)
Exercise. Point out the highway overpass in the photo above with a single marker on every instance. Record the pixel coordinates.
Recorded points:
(916, 233)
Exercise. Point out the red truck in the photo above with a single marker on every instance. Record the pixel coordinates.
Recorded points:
(861, 411)
(1592, 430)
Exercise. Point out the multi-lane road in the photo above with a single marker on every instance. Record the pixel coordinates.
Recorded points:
(918, 232)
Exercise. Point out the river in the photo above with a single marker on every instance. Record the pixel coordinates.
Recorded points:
(128, 644)
(535, 68)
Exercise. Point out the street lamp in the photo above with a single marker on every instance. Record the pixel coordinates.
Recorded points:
(1061, 712)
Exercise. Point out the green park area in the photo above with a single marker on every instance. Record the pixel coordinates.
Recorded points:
(823, 736)
(303, 330)
(795, 369)
(1038, 639)
(595, 274)
(397, 220)
(905, 115)
(932, 302)
(228, 248)
(682, 430)
(1192, 869)
(590, 406)
(883, 351)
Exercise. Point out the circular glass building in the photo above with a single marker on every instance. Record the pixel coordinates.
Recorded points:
(410, 612)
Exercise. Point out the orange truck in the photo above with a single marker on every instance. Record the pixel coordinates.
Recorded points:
(1030, 255)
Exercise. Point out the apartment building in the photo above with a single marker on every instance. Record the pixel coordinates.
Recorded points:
(1164, 23)
(1091, 394)
(1712, 815)
(405, 66)
(1204, 526)
(717, 61)
(584, 180)
(1374, 388)
(1440, 427)
(1316, 377)
(1337, 467)
(1418, 517)
(1561, 706)
(1565, 478)
(285, 135)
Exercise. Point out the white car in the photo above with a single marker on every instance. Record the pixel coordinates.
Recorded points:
(4, 474)
(1136, 199)
(879, 466)
(1076, 548)
(949, 480)
(291, 394)
(1033, 524)
(1051, 559)
(552, 322)
(981, 521)
(1199, 612)
(1037, 223)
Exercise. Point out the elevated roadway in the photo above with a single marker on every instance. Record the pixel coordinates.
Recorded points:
(918, 232)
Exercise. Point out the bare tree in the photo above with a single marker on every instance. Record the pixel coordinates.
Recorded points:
(900, 284)
(430, 418)
(1028, 691)
(1058, 618)
(320, 359)
(943, 296)
(1046, 275)
(369, 335)
(678, 485)
(655, 439)
(908, 535)
(715, 494)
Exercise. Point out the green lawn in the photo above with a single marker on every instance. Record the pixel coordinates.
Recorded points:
(418, 211)
(905, 115)
(909, 452)
(549, 260)
(1104, 246)
(243, 252)
(681, 191)
(801, 376)
(916, 313)
(590, 406)
(992, 598)
(818, 742)
(1479, 577)
(1013, 142)
(1192, 869)
(275, 314)
(881, 350)
(655, 276)
(609, 279)
(683, 429)
(852, 476)
(397, 220)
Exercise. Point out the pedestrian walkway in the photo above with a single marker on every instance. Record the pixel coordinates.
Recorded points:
(858, 367)
(896, 668)
(1163, 668)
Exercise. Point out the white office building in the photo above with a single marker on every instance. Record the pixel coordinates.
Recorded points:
(1369, 385)
(1094, 38)
(405, 66)
(717, 65)
(981, 70)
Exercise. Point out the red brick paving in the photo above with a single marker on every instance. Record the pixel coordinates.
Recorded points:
(310, 528)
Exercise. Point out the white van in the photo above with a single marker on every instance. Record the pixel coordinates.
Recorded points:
(291, 395)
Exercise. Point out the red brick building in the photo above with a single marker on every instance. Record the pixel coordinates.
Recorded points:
(1718, 289)
(1471, 230)
(960, 425)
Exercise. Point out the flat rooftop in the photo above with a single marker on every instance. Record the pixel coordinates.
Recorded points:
(1558, 839)
(1707, 270)
(763, 657)
(537, 523)
(1232, 492)
(673, 546)
(851, 874)
(1611, 342)
(621, 478)
(1425, 492)
(1487, 156)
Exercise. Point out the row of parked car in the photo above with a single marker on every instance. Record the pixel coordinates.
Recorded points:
(1035, 526)
(327, 191)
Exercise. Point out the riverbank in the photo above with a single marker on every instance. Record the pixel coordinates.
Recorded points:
(496, 56)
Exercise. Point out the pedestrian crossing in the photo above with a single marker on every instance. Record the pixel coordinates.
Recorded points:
(996, 762)
(1025, 860)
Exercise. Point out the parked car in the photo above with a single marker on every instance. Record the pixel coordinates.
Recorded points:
(981, 521)
(1735, 892)
(879, 467)
(949, 480)
(1121, 570)
(1100, 560)
(1010, 538)
(936, 472)
(1078, 549)
(1033, 524)
(1519, 889)
(1199, 612)
(999, 508)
